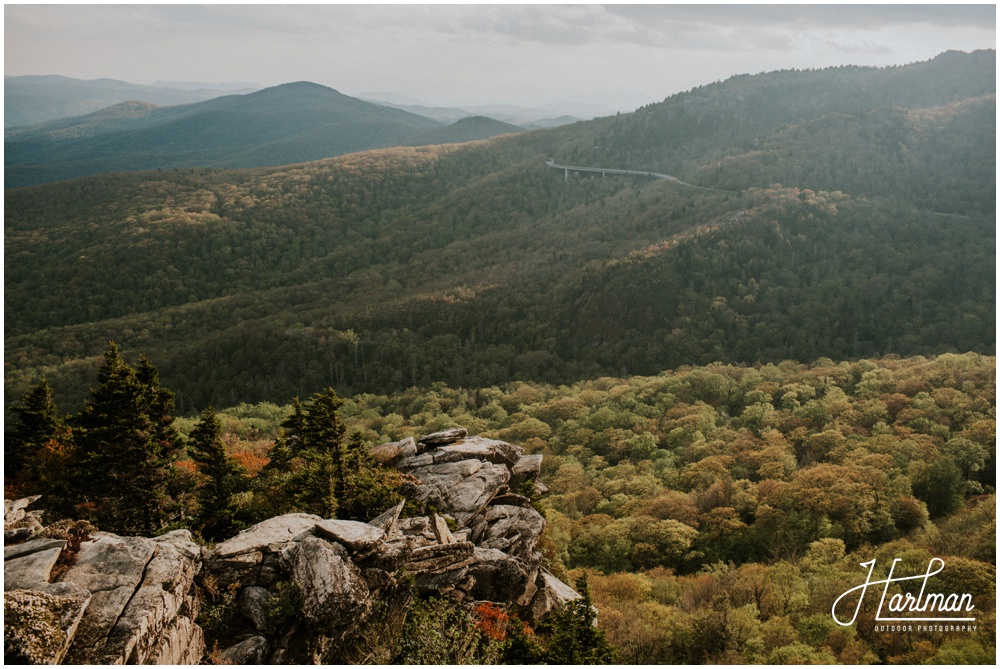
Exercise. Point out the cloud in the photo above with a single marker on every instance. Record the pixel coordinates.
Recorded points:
(854, 17)
(481, 53)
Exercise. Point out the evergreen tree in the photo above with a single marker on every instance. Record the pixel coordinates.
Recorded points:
(366, 488)
(522, 646)
(573, 635)
(334, 477)
(316, 434)
(125, 446)
(38, 421)
(217, 513)
(280, 455)
(38, 452)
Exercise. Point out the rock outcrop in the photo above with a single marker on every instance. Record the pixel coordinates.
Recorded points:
(113, 600)
(297, 583)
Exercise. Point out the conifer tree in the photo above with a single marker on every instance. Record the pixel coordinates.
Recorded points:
(224, 477)
(336, 477)
(38, 452)
(574, 637)
(316, 434)
(366, 488)
(125, 446)
(38, 421)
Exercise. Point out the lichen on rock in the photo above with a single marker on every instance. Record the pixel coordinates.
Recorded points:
(39, 627)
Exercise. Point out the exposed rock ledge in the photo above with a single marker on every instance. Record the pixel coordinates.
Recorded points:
(134, 600)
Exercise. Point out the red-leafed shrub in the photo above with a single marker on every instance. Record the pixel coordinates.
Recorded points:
(491, 621)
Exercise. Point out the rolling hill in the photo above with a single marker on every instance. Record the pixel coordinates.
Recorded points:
(30, 100)
(476, 264)
(463, 130)
(281, 125)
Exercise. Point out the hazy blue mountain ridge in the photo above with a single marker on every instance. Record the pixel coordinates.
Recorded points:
(33, 99)
(291, 123)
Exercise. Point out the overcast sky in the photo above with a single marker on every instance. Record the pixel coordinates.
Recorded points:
(622, 56)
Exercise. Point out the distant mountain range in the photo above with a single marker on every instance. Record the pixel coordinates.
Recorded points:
(291, 123)
(36, 99)
(462, 130)
(546, 116)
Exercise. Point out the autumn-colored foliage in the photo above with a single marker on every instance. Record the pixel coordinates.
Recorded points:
(491, 620)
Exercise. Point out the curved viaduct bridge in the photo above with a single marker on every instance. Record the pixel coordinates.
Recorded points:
(607, 170)
(603, 171)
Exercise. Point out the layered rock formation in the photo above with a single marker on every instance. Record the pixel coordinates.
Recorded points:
(299, 584)
(86, 597)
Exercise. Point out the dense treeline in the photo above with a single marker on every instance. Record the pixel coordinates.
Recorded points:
(691, 129)
(120, 465)
(926, 157)
(779, 273)
(477, 265)
(718, 510)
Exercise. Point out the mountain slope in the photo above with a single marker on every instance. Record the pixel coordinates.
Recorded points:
(476, 264)
(682, 133)
(284, 124)
(122, 116)
(29, 100)
(463, 130)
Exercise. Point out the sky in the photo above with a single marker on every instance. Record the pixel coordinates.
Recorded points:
(617, 56)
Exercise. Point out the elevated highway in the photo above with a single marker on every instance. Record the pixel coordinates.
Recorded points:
(604, 171)
(608, 170)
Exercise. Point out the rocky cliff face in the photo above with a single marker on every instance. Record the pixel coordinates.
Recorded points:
(79, 596)
(296, 585)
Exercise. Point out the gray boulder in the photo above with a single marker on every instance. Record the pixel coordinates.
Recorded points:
(30, 571)
(29, 547)
(440, 557)
(13, 510)
(527, 468)
(390, 558)
(552, 594)
(351, 534)
(271, 533)
(334, 592)
(510, 499)
(512, 529)
(490, 450)
(183, 642)
(253, 602)
(242, 559)
(441, 438)
(392, 451)
(441, 531)
(388, 522)
(498, 577)
(125, 624)
(111, 568)
(461, 488)
(248, 651)
(19, 524)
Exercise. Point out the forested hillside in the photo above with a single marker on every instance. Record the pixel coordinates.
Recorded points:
(284, 124)
(718, 510)
(476, 264)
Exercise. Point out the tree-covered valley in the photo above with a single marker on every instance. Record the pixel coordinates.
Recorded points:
(476, 264)
(745, 380)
